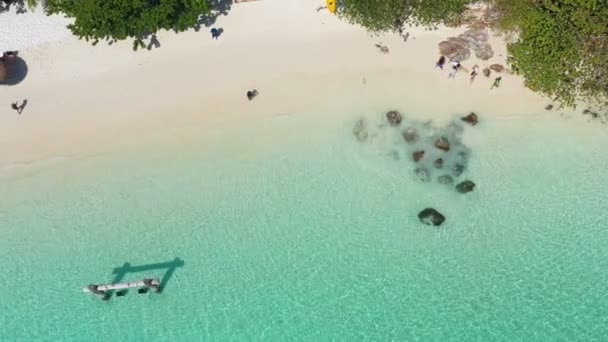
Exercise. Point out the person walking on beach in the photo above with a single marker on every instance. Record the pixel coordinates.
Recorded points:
(251, 94)
(496, 83)
(474, 73)
(440, 62)
(19, 108)
(455, 66)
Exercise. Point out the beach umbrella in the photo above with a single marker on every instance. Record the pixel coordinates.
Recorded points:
(2, 71)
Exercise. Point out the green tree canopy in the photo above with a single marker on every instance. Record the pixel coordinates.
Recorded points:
(121, 19)
(562, 49)
(382, 15)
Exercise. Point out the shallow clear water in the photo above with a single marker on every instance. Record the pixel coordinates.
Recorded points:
(293, 230)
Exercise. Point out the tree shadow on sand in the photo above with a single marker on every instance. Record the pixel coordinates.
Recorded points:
(12, 71)
(149, 40)
(20, 6)
(218, 8)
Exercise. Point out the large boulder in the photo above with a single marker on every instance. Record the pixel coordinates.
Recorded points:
(459, 48)
(484, 52)
(423, 174)
(431, 217)
(410, 135)
(471, 119)
(442, 144)
(464, 187)
(393, 117)
(497, 67)
(418, 155)
(360, 130)
(455, 49)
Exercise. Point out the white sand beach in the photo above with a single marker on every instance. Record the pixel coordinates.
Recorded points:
(82, 98)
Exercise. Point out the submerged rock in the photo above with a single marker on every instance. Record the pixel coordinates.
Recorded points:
(394, 117)
(418, 155)
(442, 144)
(423, 174)
(471, 119)
(445, 179)
(464, 187)
(590, 112)
(360, 130)
(431, 217)
(410, 135)
(438, 163)
(457, 169)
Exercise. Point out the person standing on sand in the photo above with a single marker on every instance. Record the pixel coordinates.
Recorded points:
(440, 62)
(496, 83)
(474, 73)
(455, 66)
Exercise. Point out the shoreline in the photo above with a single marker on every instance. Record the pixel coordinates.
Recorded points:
(84, 98)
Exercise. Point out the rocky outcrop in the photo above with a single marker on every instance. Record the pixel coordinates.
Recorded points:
(410, 135)
(418, 155)
(438, 163)
(360, 130)
(442, 144)
(471, 119)
(459, 48)
(497, 67)
(455, 49)
(423, 174)
(431, 217)
(464, 187)
(445, 179)
(394, 117)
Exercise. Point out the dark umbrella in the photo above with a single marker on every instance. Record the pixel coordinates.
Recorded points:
(12, 71)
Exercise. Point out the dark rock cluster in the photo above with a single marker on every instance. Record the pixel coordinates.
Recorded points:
(436, 154)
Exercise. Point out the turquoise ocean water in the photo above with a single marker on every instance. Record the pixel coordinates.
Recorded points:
(287, 229)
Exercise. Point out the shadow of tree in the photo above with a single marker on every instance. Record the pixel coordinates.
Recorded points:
(21, 5)
(218, 8)
(16, 71)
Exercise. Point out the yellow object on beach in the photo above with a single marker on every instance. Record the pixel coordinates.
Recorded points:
(331, 5)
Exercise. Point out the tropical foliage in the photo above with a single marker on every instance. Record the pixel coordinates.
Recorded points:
(562, 50)
(382, 15)
(112, 20)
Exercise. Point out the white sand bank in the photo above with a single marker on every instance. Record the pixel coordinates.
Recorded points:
(83, 97)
